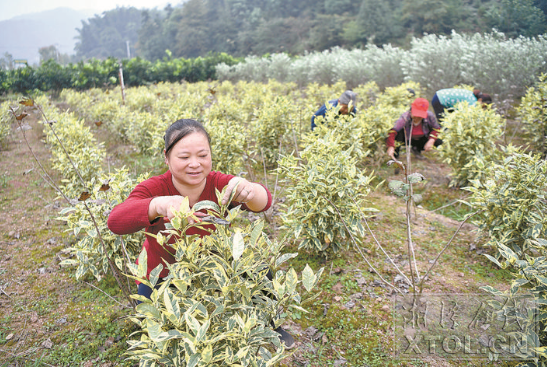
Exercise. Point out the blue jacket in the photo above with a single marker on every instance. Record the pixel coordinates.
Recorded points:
(323, 110)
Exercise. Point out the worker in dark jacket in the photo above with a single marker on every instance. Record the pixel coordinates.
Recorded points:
(346, 99)
(424, 129)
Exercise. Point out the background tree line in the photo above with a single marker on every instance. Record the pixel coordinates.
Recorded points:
(243, 27)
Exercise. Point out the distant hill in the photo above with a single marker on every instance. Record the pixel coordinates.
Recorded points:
(23, 35)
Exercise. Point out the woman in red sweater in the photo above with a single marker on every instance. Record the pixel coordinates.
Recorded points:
(188, 155)
(150, 205)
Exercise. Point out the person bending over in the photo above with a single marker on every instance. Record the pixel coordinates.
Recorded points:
(344, 102)
(446, 99)
(424, 128)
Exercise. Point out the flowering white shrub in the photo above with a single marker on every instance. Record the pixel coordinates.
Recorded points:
(497, 65)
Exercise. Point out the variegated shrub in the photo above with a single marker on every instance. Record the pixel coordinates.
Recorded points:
(89, 254)
(533, 114)
(217, 307)
(326, 174)
(514, 220)
(470, 142)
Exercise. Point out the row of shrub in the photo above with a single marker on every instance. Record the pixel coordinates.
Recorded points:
(492, 62)
(254, 125)
(217, 305)
(51, 76)
(498, 65)
(251, 123)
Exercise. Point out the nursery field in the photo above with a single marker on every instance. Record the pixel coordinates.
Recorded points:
(61, 305)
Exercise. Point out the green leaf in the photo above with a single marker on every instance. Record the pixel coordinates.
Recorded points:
(291, 280)
(207, 354)
(415, 178)
(238, 246)
(202, 331)
(308, 278)
(206, 204)
(493, 259)
(541, 279)
(171, 305)
(256, 232)
(417, 198)
(281, 259)
(148, 310)
(192, 322)
(154, 274)
(194, 360)
(399, 188)
(143, 261)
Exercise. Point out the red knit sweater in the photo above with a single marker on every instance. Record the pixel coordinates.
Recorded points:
(132, 215)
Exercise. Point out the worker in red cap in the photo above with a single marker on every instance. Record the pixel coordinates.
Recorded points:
(424, 128)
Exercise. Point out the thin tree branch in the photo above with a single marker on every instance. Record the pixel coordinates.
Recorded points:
(61, 144)
(358, 248)
(420, 286)
(264, 166)
(109, 296)
(379, 245)
(444, 206)
(110, 262)
(50, 182)
(411, 254)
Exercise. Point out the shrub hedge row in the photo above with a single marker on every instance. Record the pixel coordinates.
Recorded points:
(51, 76)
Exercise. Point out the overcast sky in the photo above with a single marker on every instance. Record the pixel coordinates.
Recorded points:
(13, 8)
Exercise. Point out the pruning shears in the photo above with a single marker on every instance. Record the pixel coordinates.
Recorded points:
(215, 220)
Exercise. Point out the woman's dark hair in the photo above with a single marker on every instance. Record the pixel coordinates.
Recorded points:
(179, 129)
(484, 97)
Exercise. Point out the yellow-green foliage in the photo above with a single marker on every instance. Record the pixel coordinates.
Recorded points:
(464, 86)
(514, 220)
(89, 254)
(224, 123)
(324, 173)
(376, 121)
(367, 95)
(274, 120)
(512, 198)
(6, 119)
(82, 147)
(217, 307)
(400, 97)
(533, 113)
(344, 129)
(87, 156)
(469, 142)
(318, 94)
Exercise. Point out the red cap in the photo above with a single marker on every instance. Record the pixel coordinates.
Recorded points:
(419, 107)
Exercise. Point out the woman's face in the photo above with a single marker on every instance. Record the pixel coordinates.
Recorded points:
(190, 160)
(416, 120)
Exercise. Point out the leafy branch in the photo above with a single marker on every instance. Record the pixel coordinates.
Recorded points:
(83, 196)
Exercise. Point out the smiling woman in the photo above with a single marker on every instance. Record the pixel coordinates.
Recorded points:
(151, 204)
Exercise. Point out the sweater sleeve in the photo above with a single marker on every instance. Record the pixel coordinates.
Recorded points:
(434, 125)
(132, 215)
(390, 141)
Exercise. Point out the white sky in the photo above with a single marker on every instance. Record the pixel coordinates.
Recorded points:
(12, 8)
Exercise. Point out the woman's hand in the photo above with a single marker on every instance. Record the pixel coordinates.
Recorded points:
(252, 194)
(429, 145)
(391, 152)
(163, 206)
